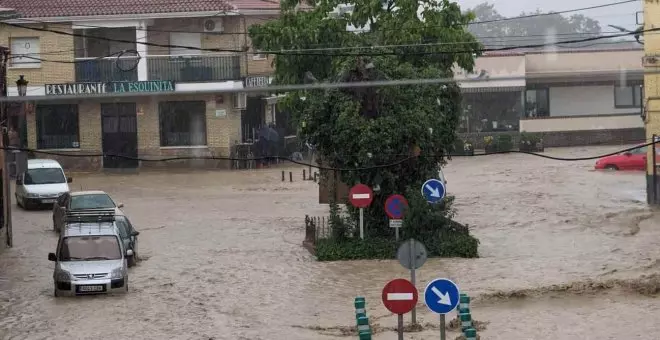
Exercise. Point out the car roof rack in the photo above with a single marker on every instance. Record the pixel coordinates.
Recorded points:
(90, 216)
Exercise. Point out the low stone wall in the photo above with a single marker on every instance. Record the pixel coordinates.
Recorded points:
(567, 138)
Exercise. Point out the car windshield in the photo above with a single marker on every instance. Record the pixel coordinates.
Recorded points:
(44, 176)
(90, 248)
(92, 201)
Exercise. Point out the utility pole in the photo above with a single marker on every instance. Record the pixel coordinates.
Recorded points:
(4, 141)
(651, 103)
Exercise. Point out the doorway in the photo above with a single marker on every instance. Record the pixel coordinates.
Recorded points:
(119, 135)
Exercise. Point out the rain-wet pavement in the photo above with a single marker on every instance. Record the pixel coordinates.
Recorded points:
(223, 258)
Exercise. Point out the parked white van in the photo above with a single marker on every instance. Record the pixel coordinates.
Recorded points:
(42, 183)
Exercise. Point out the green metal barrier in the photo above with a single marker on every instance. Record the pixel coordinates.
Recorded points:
(465, 318)
(363, 327)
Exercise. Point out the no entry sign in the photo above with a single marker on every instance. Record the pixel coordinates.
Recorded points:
(399, 296)
(360, 196)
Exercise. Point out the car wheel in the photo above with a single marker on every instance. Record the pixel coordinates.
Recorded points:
(611, 167)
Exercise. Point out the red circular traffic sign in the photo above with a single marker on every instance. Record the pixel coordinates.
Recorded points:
(360, 196)
(395, 207)
(400, 296)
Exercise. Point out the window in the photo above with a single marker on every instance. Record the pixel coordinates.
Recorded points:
(95, 201)
(25, 52)
(90, 248)
(44, 176)
(259, 56)
(185, 39)
(628, 96)
(537, 103)
(182, 123)
(57, 126)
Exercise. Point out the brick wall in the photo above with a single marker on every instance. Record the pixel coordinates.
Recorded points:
(50, 44)
(221, 134)
(232, 40)
(257, 67)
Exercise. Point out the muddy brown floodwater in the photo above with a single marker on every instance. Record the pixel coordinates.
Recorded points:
(567, 253)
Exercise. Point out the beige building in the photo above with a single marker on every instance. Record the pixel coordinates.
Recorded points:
(572, 97)
(148, 99)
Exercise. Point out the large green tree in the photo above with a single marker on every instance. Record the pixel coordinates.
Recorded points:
(363, 127)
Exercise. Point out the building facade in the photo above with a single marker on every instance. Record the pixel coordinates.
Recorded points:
(573, 97)
(651, 62)
(138, 80)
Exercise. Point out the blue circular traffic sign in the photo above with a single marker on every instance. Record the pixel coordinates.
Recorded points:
(441, 296)
(433, 190)
(395, 207)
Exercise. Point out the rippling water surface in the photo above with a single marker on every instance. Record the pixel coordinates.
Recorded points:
(224, 260)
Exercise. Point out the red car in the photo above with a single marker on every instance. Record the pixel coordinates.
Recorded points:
(631, 160)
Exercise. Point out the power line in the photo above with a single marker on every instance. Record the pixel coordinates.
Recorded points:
(536, 15)
(289, 52)
(526, 16)
(514, 38)
(380, 166)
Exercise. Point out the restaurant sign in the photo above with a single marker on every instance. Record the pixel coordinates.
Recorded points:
(110, 87)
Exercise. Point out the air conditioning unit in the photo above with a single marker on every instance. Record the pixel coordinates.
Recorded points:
(213, 26)
(240, 100)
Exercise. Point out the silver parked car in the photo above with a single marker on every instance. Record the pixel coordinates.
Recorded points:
(81, 200)
(90, 257)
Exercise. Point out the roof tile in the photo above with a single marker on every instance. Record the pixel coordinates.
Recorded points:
(68, 8)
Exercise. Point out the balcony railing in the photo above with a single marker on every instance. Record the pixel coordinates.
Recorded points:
(106, 70)
(194, 68)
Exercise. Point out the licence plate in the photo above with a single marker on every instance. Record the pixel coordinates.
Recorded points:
(48, 201)
(89, 289)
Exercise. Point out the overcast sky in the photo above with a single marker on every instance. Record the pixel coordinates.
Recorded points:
(620, 15)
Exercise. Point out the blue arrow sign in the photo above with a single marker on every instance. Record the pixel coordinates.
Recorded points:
(433, 190)
(441, 296)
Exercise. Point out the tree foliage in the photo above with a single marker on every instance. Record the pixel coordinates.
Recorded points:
(369, 126)
(531, 30)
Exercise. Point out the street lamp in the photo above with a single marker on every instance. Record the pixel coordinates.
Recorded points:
(22, 84)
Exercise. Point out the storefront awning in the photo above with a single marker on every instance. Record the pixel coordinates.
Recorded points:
(486, 85)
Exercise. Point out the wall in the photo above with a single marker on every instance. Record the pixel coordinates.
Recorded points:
(89, 127)
(585, 100)
(581, 123)
(221, 133)
(158, 33)
(257, 67)
(652, 92)
(585, 62)
(495, 66)
(235, 25)
(567, 138)
(48, 72)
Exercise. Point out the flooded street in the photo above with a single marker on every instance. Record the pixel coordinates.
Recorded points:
(566, 253)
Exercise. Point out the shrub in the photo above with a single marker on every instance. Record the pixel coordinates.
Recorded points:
(428, 223)
(504, 143)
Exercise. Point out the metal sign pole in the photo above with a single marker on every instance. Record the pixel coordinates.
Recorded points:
(362, 223)
(413, 252)
(443, 336)
(399, 327)
(396, 234)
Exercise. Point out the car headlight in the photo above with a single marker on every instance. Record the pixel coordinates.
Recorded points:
(63, 276)
(117, 273)
(29, 194)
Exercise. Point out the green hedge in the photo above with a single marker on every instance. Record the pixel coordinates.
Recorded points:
(445, 243)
